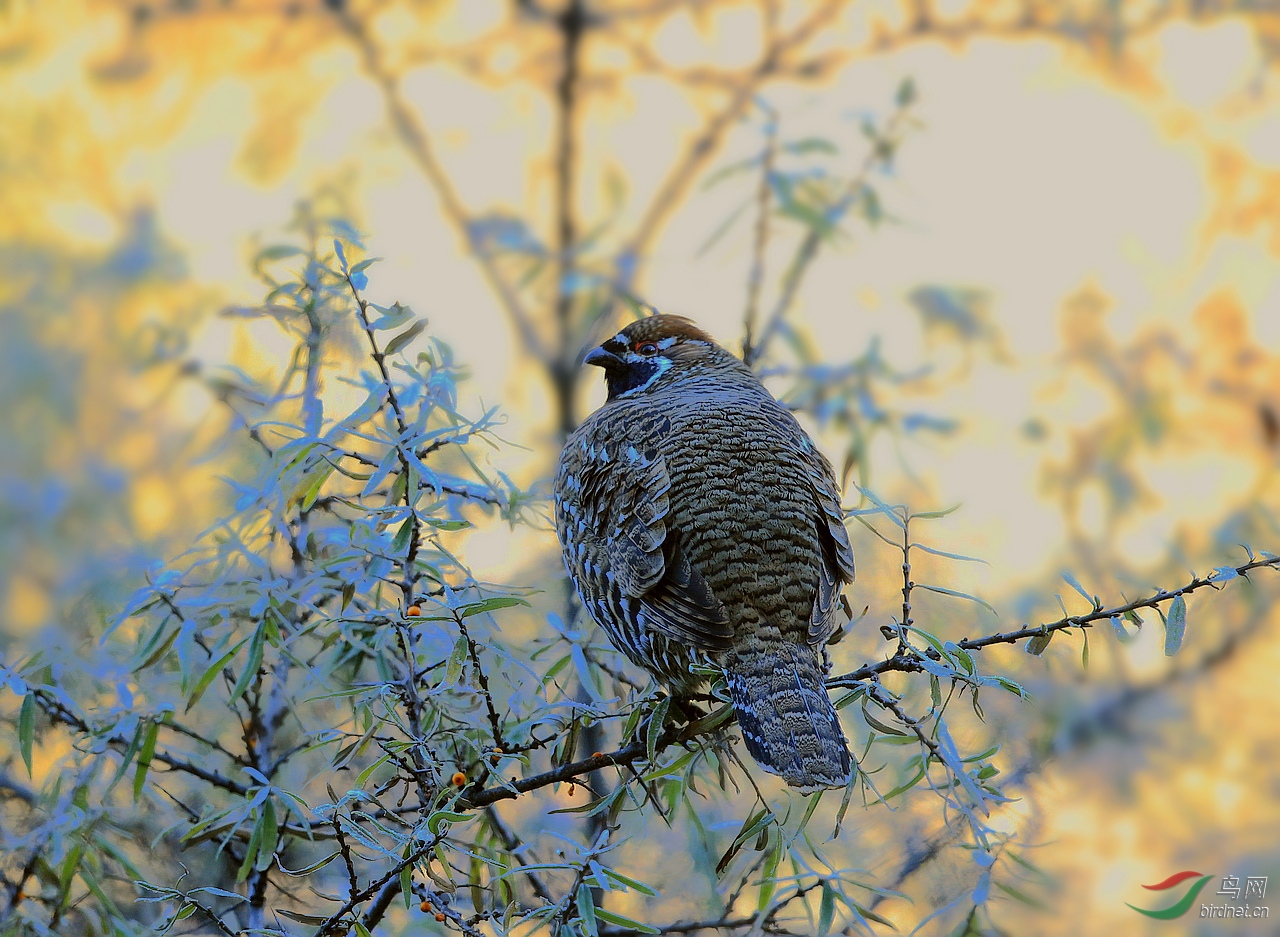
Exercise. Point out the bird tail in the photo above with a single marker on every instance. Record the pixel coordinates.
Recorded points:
(790, 727)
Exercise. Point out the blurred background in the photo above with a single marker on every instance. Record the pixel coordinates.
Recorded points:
(1019, 256)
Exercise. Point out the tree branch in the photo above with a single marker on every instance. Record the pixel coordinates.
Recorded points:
(409, 127)
(909, 660)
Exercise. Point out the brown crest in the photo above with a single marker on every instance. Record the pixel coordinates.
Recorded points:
(656, 328)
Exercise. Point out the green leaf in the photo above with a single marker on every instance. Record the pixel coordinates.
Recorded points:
(401, 541)
(406, 884)
(657, 721)
(312, 483)
(273, 253)
(145, 755)
(910, 782)
(1020, 896)
(312, 919)
(1175, 626)
(769, 875)
(489, 605)
(959, 595)
(963, 656)
(157, 647)
(868, 913)
(1075, 584)
(884, 508)
(826, 910)
(1117, 625)
(126, 758)
(453, 672)
(308, 869)
(446, 816)
(609, 917)
(1037, 645)
(935, 514)
(672, 768)
(812, 145)
(69, 866)
(27, 729)
(405, 337)
(752, 826)
(906, 95)
(365, 774)
(725, 172)
(251, 852)
(474, 884)
(393, 317)
(270, 835)
(212, 673)
(251, 666)
(587, 910)
(880, 726)
(629, 882)
(91, 882)
(950, 556)
(933, 640)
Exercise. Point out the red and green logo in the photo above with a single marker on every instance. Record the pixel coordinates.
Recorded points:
(1183, 905)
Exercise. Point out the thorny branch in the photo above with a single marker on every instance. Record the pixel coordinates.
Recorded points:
(909, 660)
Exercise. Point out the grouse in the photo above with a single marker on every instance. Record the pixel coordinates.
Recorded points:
(699, 523)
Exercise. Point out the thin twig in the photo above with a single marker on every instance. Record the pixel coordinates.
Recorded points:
(909, 660)
(764, 198)
(882, 149)
(413, 134)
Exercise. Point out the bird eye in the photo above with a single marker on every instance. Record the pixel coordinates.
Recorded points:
(646, 348)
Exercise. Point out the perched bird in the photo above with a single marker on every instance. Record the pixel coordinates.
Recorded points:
(698, 522)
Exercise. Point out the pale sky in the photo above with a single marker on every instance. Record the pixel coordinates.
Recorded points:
(1028, 179)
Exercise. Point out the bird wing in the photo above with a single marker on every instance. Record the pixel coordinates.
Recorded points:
(612, 515)
(836, 568)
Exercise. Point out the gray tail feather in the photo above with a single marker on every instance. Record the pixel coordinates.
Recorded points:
(787, 720)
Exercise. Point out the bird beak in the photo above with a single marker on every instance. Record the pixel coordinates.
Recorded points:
(602, 358)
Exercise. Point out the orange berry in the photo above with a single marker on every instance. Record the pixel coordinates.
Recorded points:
(413, 611)
(439, 916)
(459, 779)
(425, 906)
(597, 754)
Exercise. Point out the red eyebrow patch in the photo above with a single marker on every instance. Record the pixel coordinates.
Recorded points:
(1174, 879)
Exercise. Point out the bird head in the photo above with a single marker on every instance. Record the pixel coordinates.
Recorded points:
(651, 352)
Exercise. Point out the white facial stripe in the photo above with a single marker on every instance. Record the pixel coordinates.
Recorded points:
(663, 365)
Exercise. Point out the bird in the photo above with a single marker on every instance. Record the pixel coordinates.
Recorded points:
(700, 524)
